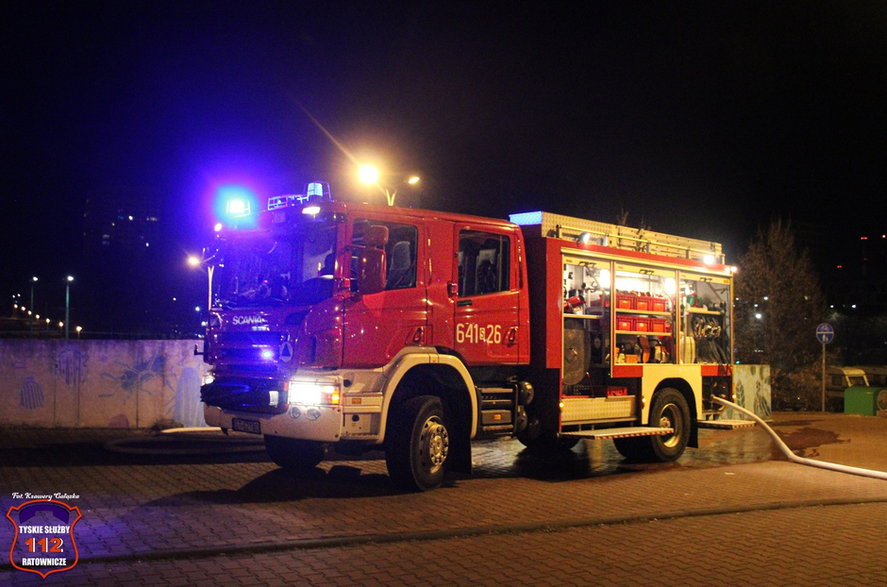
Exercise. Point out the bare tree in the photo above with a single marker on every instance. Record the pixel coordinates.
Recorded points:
(779, 302)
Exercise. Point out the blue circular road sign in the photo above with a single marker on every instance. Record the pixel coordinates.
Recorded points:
(825, 333)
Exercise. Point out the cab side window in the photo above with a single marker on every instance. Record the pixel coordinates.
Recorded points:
(483, 263)
(400, 252)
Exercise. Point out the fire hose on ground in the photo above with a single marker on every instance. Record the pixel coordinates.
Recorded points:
(802, 460)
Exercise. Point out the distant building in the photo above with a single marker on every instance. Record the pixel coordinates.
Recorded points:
(121, 220)
(856, 279)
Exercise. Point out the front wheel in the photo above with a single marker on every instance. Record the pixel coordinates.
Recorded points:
(418, 444)
(295, 454)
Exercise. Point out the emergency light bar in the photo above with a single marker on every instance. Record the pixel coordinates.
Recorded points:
(314, 191)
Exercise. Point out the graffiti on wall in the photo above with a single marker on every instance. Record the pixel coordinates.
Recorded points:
(752, 389)
(70, 365)
(132, 378)
(31, 394)
(97, 383)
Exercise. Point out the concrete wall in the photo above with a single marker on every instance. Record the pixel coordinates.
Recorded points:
(100, 383)
(136, 384)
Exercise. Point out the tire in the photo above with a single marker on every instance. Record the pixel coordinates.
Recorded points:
(418, 444)
(291, 453)
(669, 409)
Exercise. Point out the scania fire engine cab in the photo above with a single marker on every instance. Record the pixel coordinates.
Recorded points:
(363, 327)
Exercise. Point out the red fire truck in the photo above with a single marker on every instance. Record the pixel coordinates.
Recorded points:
(415, 331)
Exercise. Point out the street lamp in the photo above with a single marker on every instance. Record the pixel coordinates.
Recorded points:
(370, 175)
(34, 281)
(68, 281)
(195, 262)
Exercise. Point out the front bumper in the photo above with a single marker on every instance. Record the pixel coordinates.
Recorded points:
(320, 423)
(302, 411)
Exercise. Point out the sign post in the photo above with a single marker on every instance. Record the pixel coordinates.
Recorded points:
(824, 334)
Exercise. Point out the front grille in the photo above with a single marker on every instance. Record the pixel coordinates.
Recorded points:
(241, 352)
(251, 338)
(243, 395)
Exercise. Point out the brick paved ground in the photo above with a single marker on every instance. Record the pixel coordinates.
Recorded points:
(726, 513)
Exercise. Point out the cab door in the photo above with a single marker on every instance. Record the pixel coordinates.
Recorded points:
(486, 295)
(378, 325)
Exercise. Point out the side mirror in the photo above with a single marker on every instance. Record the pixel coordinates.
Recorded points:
(372, 272)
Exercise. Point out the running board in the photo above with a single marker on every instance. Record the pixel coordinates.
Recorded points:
(726, 424)
(619, 432)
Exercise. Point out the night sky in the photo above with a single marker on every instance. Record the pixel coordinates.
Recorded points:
(702, 119)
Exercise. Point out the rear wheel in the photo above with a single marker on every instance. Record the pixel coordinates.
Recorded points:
(669, 410)
(418, 444)
(292, 453)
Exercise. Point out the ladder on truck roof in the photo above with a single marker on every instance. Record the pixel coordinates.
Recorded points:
(546, 224)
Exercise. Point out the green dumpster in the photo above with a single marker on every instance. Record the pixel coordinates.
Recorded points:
(860, 399)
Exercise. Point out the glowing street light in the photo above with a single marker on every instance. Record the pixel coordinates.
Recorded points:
(370, 175)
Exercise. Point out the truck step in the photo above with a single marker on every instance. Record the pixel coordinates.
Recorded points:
(619, 432)
(726, 424)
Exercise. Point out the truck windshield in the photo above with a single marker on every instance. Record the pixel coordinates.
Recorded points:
(259, 268)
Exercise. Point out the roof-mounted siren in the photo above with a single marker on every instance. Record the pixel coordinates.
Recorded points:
(234, 206)
(318, 190)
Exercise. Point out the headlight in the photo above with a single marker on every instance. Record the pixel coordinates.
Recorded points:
(208, 378)
(314, 393)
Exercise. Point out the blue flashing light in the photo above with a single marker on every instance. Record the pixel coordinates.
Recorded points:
(526, 218)
(235, 206)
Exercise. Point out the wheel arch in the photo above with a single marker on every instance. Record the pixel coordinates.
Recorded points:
(432, 373)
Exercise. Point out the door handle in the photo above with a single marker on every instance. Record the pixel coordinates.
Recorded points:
(463, 303)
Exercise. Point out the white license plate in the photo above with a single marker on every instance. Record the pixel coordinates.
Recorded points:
(241, 425)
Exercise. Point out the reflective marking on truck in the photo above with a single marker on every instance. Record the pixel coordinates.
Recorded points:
(286, 352)
(478, 333)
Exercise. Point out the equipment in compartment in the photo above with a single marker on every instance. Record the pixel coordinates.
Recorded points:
(577, 351)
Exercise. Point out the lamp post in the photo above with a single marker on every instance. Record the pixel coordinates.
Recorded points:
(34, 281)
(195, 262)
(370, 175)
(68, 281)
